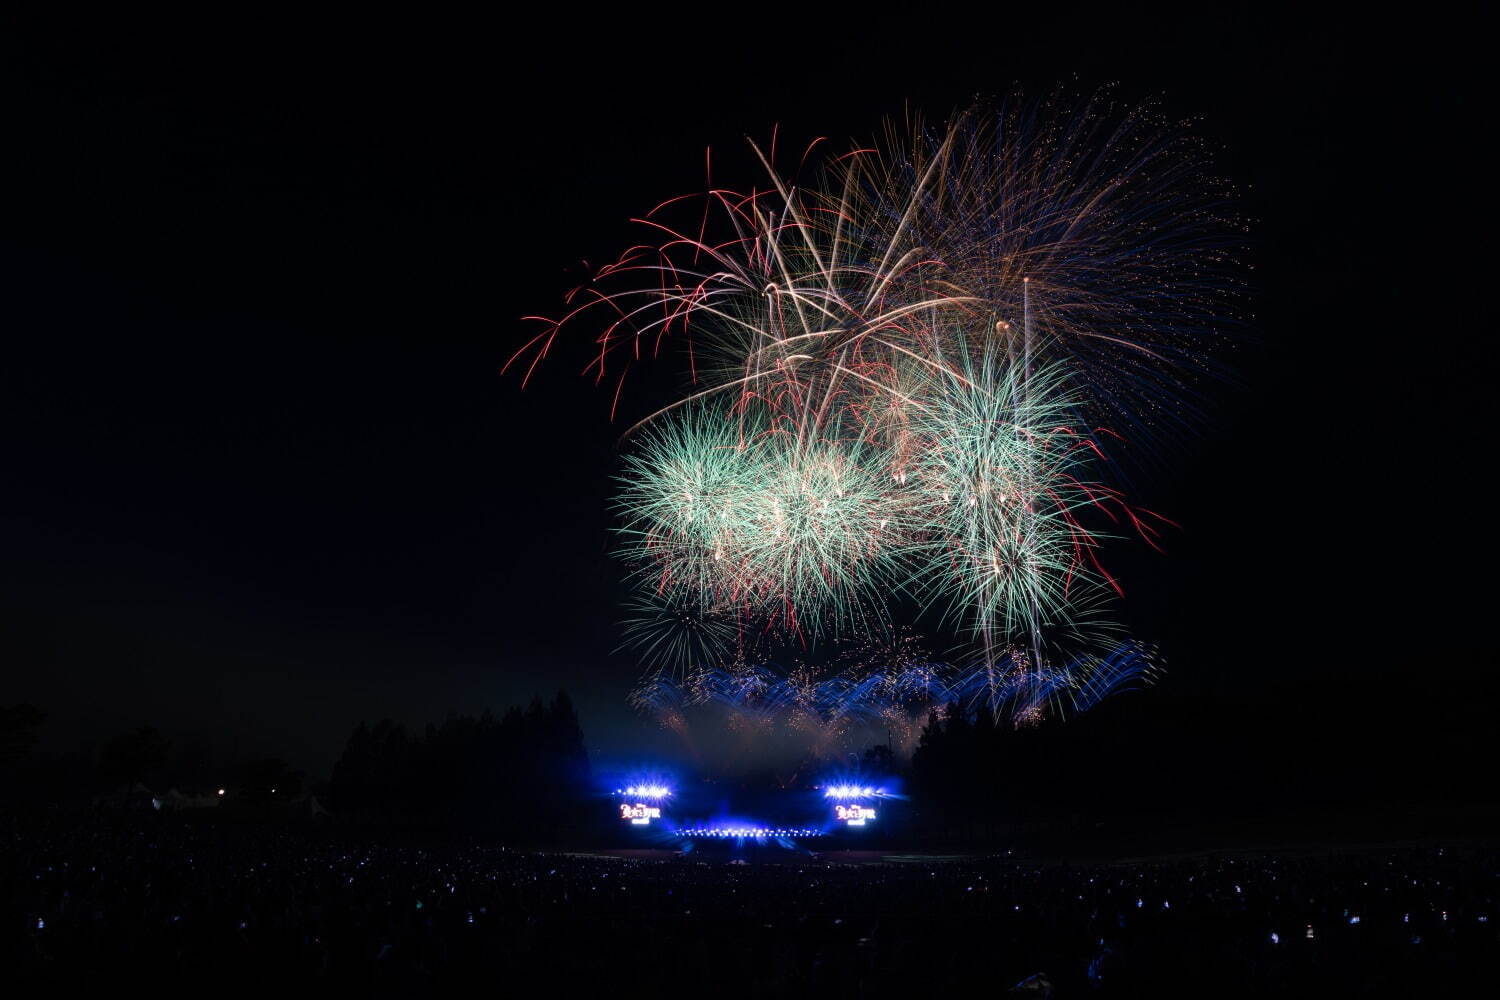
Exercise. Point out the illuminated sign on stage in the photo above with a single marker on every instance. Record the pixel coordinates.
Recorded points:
(854, 815)
(638, 814)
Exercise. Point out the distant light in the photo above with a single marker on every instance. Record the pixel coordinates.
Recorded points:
(1354, 919)
(221, 791)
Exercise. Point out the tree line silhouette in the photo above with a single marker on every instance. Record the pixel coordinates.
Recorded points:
(524, 773)
(1193, 755)
(130, 767)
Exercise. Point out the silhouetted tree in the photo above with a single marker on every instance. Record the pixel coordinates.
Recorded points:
(133, 757)
(19, 726)
(524, 772)
(879, 759)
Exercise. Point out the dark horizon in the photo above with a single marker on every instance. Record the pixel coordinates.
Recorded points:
(266, 480)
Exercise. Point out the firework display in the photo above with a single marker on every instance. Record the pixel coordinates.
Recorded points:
(884, 695)
(907, 378)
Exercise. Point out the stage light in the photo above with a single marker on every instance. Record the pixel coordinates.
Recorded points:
(646, 791)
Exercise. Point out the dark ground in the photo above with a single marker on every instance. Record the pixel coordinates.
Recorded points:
(171, 903)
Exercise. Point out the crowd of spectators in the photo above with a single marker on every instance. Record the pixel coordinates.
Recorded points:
(155, 900)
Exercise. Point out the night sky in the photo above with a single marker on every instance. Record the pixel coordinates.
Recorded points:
(263, 478)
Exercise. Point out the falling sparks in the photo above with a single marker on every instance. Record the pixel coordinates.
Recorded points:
(908, 376)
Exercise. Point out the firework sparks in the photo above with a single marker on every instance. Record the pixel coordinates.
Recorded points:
(905, 376)
(877, 695)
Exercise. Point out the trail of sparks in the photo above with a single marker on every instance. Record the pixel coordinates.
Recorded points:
(906, 373)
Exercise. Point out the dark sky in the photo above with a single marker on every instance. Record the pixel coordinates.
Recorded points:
(263, 478)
